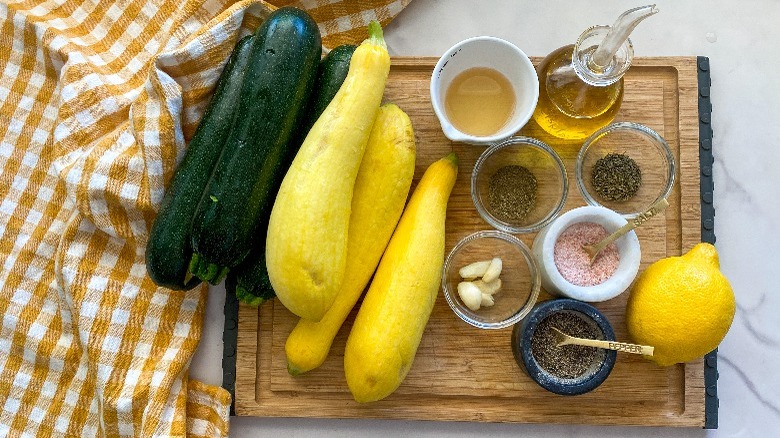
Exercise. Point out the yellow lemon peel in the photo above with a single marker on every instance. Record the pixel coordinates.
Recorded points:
(683, 306)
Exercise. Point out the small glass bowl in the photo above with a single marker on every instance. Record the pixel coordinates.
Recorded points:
(542, 162)
(520, 280)
(641, 144)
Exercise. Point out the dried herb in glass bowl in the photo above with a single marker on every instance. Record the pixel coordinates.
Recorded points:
(512, 193)
(616, 177)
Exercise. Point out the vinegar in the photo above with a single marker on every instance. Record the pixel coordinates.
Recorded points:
(479, 101)
(568, 107)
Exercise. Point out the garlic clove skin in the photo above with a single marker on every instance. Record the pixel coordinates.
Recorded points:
(489, 288)
(470, 295)
(474, 270)
(493, 270)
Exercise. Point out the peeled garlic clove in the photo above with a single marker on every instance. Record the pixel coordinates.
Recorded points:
(489, 288)
(493, 270)
(487, 300)
(474, 270)
(470, 295)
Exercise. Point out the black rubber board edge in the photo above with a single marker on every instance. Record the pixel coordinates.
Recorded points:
(707, 188)
(230, 340)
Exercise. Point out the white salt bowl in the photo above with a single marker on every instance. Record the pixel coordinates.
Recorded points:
(627, 245)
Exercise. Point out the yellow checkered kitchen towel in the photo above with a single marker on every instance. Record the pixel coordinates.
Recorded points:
(97, 102)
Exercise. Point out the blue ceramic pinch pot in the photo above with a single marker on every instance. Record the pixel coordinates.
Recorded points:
(598, 370)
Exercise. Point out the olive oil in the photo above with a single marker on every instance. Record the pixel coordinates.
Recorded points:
(479, 101)
(581, 85)
(568, 107)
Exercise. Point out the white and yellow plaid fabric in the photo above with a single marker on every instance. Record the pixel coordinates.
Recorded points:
(97, 102)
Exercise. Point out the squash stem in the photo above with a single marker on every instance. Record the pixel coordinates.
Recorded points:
(294, 371)
(453, 158)
(375, 34)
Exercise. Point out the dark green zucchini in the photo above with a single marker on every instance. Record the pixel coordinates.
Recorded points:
(169, 248)
(249, 281)
(277, 86)
(330, 75)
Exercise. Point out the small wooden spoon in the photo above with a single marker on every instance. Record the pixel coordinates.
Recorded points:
(594, 250)
(563, 339)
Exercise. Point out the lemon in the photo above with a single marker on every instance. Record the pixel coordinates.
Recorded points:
(683, 306)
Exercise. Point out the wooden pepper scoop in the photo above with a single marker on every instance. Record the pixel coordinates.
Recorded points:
(562, 338)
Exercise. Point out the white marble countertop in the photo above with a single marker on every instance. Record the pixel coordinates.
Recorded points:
(741, 40)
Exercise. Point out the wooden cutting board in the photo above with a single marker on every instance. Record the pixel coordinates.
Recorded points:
(465, 374)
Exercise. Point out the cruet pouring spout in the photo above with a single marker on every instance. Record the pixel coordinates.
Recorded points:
(619, 33)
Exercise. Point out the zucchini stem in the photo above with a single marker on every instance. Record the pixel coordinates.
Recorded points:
(206, 271)
(375, 34)
(247, 297)
(194, 262)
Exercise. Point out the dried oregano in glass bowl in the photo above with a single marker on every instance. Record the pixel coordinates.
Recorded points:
(625, 167)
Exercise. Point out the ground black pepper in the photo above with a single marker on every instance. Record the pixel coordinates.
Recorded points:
(567, 361)
(512, 193)
(616, 177)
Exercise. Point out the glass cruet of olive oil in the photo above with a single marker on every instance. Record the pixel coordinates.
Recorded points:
(581, 85)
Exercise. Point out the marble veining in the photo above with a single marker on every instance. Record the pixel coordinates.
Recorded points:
(766, 339)
(752, 387)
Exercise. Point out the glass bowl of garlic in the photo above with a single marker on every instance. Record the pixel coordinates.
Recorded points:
(490, 279)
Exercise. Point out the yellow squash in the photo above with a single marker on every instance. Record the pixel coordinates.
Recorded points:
(306, 245)
(381, 189)
(396, 308)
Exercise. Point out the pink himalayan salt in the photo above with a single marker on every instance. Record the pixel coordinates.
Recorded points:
(574, 263)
